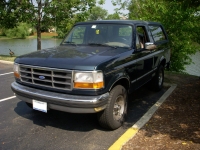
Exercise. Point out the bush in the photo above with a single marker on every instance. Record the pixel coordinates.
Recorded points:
(2, 32)
(22, 30)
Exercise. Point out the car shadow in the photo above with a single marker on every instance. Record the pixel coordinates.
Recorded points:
(139, 103)
(58, 119)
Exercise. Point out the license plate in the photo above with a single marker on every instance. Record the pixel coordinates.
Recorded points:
(41, 106)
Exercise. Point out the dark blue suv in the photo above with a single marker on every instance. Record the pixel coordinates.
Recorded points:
(94, 69)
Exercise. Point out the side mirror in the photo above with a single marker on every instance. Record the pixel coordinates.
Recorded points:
(149, 46)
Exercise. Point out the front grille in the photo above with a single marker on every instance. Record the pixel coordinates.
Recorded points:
(46, 77)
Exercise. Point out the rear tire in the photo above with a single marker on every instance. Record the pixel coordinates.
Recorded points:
(112, 117)
(158, 79)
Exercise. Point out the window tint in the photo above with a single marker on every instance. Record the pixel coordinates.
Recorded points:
(157, 33)
(125, 31)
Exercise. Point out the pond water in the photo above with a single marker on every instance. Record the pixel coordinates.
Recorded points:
(24, 46)
(194, 68)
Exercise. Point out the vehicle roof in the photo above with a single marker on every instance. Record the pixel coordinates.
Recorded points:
(131, 22)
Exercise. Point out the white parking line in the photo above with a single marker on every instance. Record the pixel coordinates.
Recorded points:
(5, 73)
(5, 99)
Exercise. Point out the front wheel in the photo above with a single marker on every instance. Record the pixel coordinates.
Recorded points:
(113, 116)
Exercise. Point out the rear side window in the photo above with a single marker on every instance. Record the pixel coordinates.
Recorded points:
(157, 33)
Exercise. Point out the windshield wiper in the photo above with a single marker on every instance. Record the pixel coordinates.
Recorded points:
(69, 42)
(100, 44)
(113, 46)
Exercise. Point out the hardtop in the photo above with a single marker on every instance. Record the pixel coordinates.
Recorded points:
(130, 22)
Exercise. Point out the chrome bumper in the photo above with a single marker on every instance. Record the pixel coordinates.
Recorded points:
(61, 101)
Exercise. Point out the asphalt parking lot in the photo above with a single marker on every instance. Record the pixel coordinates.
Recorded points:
(24, 128)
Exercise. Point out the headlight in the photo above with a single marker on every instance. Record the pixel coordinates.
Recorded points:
(88, 80)
(16, 70)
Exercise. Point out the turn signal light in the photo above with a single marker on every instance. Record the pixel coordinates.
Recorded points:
(89, 85)
(16, 75)
(16, 70)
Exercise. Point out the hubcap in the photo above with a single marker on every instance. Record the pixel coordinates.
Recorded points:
(118, 109)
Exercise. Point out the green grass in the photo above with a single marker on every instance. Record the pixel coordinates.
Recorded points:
(42, 37)
(3, 37)
(7, 58)
(176, 73)
(31, 37)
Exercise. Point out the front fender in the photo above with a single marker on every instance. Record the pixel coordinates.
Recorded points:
(118, 77)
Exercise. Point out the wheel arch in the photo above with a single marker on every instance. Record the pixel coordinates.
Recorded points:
(162, 61)
(124, 81)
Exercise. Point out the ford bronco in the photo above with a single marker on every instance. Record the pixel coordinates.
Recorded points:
(94, 69)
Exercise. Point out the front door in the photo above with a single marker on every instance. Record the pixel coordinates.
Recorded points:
(144, 58)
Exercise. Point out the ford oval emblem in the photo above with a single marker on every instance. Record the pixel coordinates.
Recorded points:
(41, 77)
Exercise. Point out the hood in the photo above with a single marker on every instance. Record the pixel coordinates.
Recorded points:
(70, 57)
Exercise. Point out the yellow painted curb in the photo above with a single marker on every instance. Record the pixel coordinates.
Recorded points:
(124, 138)
(140, 123)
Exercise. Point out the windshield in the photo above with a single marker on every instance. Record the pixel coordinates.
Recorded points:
(100, 34)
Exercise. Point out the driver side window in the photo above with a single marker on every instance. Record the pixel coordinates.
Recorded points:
(141, 37)
(138, 46)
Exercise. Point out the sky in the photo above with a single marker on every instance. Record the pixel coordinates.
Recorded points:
(110, 8)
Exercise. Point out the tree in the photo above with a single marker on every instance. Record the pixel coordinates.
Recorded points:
(180, 21)
(97, 13)
(61, 12)
(43, 12)
(113, 16)
(122, 5)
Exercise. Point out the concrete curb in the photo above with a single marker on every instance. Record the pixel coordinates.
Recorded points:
(6, 62)
(131, 132)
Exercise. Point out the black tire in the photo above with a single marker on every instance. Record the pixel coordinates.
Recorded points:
(158, 79)
(29, 105)
(113, 115)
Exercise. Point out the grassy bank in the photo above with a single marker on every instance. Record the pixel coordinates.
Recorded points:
(3, 37)
(7, 58)
(44, 35)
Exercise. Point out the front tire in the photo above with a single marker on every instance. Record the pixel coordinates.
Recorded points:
(113, 116)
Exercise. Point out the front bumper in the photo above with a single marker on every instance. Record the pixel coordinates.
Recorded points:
(61, 101)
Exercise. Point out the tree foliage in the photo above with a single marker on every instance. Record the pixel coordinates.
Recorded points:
(97, 13)
(14, 11)
(179, 20)
(113, 16)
